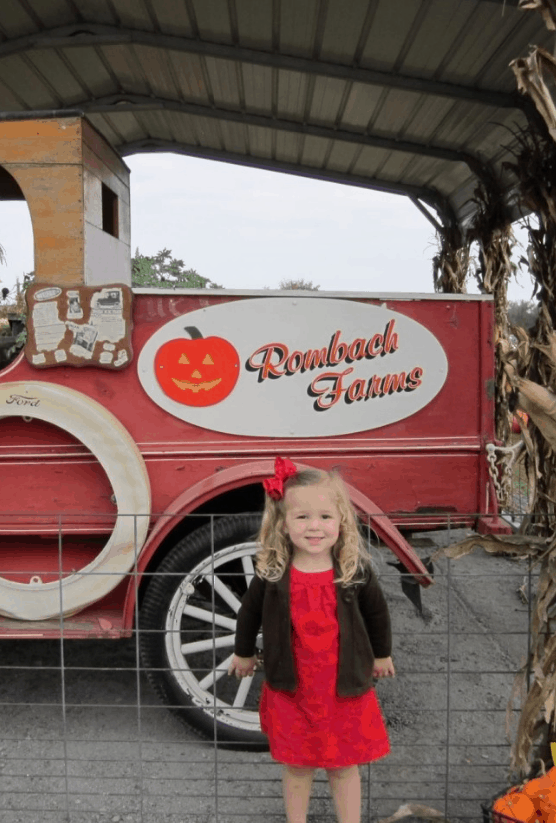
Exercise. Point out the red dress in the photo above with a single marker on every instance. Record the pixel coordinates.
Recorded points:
(313, 726)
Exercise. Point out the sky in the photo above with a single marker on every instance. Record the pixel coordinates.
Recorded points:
(246, 228)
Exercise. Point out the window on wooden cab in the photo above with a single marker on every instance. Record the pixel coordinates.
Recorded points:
(109, 211)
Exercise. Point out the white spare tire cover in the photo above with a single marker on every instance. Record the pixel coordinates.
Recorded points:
(123, 463)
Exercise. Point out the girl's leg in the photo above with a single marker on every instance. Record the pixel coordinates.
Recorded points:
(345, 785)
(296, 785)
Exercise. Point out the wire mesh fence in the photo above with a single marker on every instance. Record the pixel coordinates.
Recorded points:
(124, 712)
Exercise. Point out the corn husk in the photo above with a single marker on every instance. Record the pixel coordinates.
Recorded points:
(546, 8)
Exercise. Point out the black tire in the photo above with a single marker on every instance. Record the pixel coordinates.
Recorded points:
(170, 619)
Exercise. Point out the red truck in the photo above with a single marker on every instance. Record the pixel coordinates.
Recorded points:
(131, 499)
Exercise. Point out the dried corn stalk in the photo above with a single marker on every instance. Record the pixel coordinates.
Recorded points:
(528, 372)
(492, 231)
(529, 72)
(451, 264)
(547, 9)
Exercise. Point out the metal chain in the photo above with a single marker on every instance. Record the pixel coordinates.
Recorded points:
(508, 456)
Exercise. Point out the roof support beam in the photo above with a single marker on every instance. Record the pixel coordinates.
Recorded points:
(92, 34)
(136, 103)
(426, 213)
(435, 199)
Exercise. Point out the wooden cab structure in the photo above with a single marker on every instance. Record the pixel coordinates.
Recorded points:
(77, 190)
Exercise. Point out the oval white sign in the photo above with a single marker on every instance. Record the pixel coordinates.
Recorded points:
(281, 367)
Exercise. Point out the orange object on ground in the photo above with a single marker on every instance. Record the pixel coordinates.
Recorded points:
(515, 805)
(542, 792)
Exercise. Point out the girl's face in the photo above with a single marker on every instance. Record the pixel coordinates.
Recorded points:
(313, 523)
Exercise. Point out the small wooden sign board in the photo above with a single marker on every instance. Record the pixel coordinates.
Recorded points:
(79, 326)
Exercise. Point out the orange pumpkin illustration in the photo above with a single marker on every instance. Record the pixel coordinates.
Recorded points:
(200, 371)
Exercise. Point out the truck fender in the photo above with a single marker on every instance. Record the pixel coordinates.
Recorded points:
(248, 473)
(116, 451)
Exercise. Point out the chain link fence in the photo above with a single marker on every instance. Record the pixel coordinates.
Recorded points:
(110, 723)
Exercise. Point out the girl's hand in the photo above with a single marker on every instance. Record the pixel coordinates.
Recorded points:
(243, 666)
(383, 667)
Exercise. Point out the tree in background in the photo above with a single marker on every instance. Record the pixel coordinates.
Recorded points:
(305, 285)
(166, 272)
(523, 313)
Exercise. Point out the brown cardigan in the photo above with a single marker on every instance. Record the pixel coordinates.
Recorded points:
(364, 624)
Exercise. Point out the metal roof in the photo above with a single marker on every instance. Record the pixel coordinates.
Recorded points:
(408, 96)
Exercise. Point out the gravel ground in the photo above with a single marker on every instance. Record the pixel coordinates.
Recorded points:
(77, 746)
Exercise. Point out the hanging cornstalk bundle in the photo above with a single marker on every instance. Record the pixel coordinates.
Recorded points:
(530, 374)
(531, 369)
(451, 264)
(492, 231)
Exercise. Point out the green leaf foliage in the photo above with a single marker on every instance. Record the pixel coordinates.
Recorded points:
(162, 271)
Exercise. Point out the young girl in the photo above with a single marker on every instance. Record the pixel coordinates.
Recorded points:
(326, 634)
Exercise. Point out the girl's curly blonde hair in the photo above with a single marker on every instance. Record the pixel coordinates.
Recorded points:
(276, 550)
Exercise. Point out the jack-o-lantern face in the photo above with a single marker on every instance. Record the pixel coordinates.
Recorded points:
(198, 372)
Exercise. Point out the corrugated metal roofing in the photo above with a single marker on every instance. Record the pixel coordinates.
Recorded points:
(410, 96)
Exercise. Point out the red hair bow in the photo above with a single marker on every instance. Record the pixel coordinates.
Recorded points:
(274, 486)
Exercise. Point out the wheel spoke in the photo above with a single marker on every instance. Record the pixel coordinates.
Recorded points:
(207, 645)
(210, 617)
(242, 692)
(248, 568)
(214, 676)
(224, 592)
